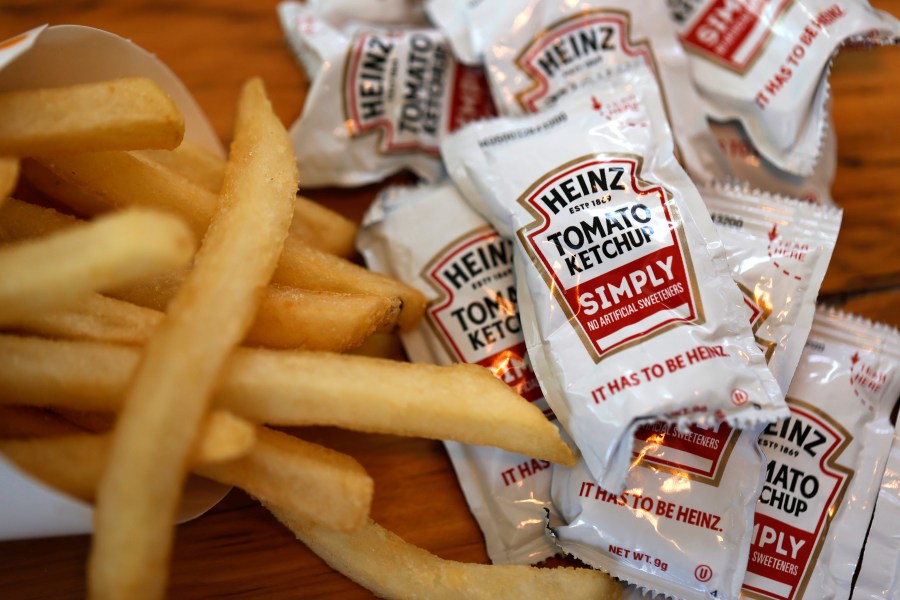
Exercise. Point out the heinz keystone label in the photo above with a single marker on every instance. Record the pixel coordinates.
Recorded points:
(628, 310)
(610, 248)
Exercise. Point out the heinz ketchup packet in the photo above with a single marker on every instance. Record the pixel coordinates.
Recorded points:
(879, 574)
(539, 52)
(428, 237)
(381, 98)
(825, 461)
(469, 25)
(682, 526)
(628, 308)
(778, 249)
(766, 62)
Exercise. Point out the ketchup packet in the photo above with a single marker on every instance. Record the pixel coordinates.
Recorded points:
(879, 573)
(749, 166)
(825, 462)
(539, 52)
(468, 25)
(683, 525)
(428, 237)
(628, 308)
(381, 98)
(765, 63)
(778, 249)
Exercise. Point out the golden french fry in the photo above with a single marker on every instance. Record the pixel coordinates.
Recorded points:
(323, 228)
(316, 482)
(121, 114)
(97, 318)
(389, 567)
(74, 462)
(191, 161)
(464, 403)
(116, 179)
(61, 269)
(93, 182)
(287, 317)
(313, 223)
(27, 422)
(23, 221)
(9, 176)
(139, 492)
(381, 345)
(293, 318)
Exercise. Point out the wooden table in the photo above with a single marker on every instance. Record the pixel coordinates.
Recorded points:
(238, 549)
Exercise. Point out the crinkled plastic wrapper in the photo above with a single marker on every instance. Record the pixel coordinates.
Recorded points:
(765, 63)
(380, 101)
(628, 307)
(824, 463)
(66, 55)
(429, 238)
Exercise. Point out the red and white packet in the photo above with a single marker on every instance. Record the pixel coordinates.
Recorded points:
(628, 308)
(879, 573)
(766, 63)
(538, 52)
(380, 100)
(683, 525)
(779, 249)
(428, 237)
(825, 462)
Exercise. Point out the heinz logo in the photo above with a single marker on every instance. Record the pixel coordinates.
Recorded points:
(610, 249)
(569, 52)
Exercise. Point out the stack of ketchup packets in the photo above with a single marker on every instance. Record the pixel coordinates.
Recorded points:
(579, 230)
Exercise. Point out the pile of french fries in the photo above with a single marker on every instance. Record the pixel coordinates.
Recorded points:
(161, 307)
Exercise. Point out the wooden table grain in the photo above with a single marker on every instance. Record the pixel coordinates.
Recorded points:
(238, 549)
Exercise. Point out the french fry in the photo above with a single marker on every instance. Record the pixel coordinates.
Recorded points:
(389, 567)
(191, 161)
(9, 175)
(27, 422)
(117, 179)
(97, 318)
(287, 317)
(60, 269)
(381, 345)
(313, 223)
(74, 463)
(121, 114)
(321, 484)
(463, 402)
(139, 492)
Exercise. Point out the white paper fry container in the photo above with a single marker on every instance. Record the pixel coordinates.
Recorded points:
(66, 55)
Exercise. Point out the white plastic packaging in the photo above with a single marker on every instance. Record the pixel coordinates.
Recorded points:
(683, 525)
(538, 52)
(779, 250)
(749, 167)
(879, 573)
(629, 311)
(825, 462)
(429, 238)
(380, 100)
(766, 63)
(469, 24)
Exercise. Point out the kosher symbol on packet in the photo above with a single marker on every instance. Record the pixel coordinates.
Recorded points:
(629, 312)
